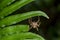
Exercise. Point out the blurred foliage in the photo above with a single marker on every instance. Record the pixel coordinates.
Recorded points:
(49, 29)
(10, 29)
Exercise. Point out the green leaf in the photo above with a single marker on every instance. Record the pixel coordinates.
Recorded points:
(33, 39)
(20, 17)
(14, 29)
(10, 9)
(22, 36)
(4, 3)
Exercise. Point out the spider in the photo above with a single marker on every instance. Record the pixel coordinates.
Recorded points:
(34, 24)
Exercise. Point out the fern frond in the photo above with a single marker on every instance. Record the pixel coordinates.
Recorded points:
(20, 17)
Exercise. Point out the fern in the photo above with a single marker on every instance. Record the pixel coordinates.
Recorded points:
(8, 31)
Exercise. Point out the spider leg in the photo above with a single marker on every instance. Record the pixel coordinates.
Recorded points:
(39, 24)
(36, 28)
(30, 20)
(30, 28)
(38, 19)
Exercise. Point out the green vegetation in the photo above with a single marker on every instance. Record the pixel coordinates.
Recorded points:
(9, 30)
